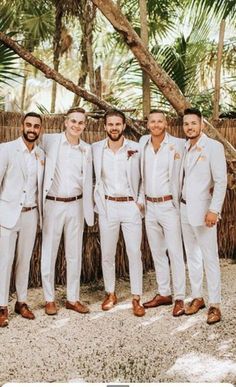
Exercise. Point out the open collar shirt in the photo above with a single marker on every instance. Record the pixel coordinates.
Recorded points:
(31, 173)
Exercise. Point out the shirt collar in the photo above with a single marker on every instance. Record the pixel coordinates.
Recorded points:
(199, 142)
(65, 141)
(125, 143)
(24, 147)
(164, 141)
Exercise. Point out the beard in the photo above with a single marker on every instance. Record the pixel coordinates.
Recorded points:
(30, 139)
(115, 137)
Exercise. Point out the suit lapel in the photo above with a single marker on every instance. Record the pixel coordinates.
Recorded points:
(21, 159)
(198, 151)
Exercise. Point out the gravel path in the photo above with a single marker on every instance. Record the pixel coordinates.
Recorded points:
(116, 346)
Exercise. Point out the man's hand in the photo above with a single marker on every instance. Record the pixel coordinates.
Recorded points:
(211, 219)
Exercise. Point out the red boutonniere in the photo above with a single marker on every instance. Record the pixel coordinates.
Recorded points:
(130, 153)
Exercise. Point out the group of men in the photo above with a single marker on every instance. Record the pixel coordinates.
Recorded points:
(178, 185)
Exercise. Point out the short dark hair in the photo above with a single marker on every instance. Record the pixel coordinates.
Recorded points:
(75, 110)
(32, 114)
(153, 111)
(193, 111)
(113, 112)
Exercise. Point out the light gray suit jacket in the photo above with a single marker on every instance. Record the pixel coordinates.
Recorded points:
(51, 144)
(176, 151)
(133, 173)
(13, 179)
(207, 180)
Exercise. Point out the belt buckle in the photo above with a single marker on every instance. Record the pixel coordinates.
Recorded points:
(161, 199)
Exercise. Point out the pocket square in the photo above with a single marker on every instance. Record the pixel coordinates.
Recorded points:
(177, 156)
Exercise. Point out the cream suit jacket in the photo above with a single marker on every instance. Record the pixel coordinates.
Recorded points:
(51, 144)
(13, 178)
(176, 151)
(133, 173)
(207, 180)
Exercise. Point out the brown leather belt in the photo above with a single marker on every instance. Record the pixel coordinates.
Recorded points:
(183, 201)
(57, 199)
(160, 199)
(26, 209)
(120, 199)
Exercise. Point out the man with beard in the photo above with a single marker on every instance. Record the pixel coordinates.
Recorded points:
(21, 175)
(116, 162)
(67, 200)
(203, 181)
(161, 156)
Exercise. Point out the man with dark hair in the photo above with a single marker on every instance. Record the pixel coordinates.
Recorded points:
(161, 156)
(21, 175)
(118, 203)
(203, 181)
(67, 201)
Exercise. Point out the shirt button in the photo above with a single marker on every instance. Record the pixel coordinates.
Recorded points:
(21, 204)
(24, 191)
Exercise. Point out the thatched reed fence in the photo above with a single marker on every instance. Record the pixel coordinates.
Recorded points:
(91, 267)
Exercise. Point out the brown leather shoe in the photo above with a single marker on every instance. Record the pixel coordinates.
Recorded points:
(178, 309)
(50, 308)
(23, 309)
(194, 306)
(3, 316)
(109, 301)
(138, 310)
(77, 307)
(213, 315)
(157, 301)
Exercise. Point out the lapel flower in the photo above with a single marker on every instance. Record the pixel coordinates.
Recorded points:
(130, 153)
(198, 149)
(42, 162)
(176, 156)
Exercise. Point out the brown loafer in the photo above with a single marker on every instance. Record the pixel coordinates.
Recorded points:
(77, 307)
(178, 309)
(157, 301)
(109, 301)
(3, 316)
(50, 308)
(213, 315)
(138, 310)
(194, 306)
(23, 309)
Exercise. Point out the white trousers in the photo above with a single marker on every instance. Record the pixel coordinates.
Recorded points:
(201, 249)
(127, 216)
(164, 233)
(66, 218)
(25, 229)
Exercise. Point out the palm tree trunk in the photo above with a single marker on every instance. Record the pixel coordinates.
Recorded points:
(56, 50)
(23, 92)
(218, 71)
(144, 37)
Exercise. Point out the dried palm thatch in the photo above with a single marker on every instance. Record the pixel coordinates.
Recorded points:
(91, 263)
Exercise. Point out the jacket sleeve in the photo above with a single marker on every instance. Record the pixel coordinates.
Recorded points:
(219, 176)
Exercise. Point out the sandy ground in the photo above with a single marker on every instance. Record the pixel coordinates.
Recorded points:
(116, 346)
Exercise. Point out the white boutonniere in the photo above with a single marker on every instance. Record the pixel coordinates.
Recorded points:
(130, 153)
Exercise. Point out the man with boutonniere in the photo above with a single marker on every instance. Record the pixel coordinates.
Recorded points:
(203, 180)
(161, 156)
(67, 201)
(119, 204)
(21, 176)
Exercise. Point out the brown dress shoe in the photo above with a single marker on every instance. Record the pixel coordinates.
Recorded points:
(157, 301)
(194, 306)
(3, 316)
(50, 308)
(138, 310)
(213, 315)
(23, 309)
(178, 309)
(77, 307)
(109, 301)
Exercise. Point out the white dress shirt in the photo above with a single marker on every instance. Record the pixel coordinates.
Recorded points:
(157, 180)
(30, 159)
(114, 171)
(68, 176)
